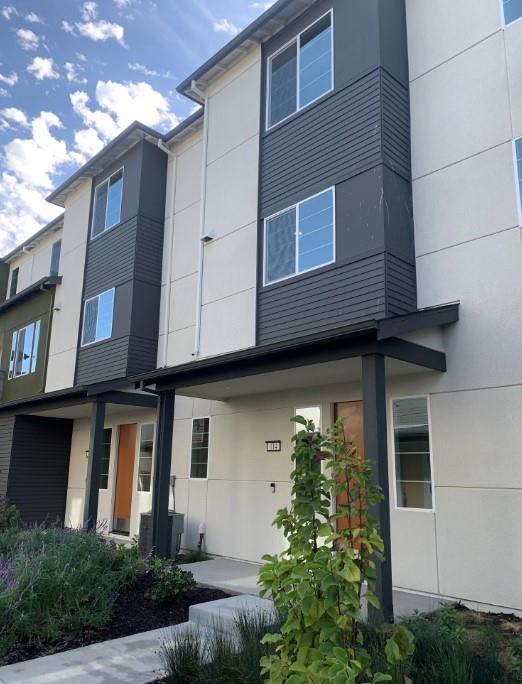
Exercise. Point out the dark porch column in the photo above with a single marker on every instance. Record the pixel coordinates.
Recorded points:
(376, 449)
(94, 464)
(162, 461)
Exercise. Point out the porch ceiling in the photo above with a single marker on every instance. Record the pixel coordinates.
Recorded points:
(84, 411)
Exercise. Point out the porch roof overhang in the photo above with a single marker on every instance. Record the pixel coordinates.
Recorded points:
(373, 337)
(47, 283)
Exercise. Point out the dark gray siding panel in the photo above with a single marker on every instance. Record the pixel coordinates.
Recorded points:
(6, 445)
(143, 355)
(39, 470)
(395, 125)
(103, 361)
(337, 139)
(401, 286)
(350, 293)
(149, 251)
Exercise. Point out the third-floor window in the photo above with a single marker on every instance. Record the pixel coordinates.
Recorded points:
(301, 71)
(107, 203)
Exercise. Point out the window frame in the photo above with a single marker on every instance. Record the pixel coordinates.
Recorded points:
(505, 23)
(33, 358)
(209, 418)
(518, 179)
(102, 339)
(297, 40)
(108, 181)
(55, 249)
(107, 488)
(394, 459)
(138, 490)
(295, 207)
(11, 278)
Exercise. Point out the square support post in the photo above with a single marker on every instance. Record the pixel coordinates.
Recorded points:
(376, 449)
(162, 461)
(96, 446)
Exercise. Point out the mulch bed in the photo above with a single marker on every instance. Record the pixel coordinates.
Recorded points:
(132, 614)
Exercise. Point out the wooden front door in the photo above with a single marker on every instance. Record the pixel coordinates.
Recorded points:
(352, 411)
(124, 478)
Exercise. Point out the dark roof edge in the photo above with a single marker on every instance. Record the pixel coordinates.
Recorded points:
(46, 281)
(236, 42)
(135, 126)
(186, 123)
(36, 236)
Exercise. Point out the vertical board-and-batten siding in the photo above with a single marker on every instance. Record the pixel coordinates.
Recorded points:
(34, 466)
(356, 138)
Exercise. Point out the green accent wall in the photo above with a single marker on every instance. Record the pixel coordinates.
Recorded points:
(39, 307)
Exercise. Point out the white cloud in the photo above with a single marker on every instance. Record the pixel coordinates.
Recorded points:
(42, 67)
(88, 142)
(89, 10)
(15, 115)
(29, 165)
(73, 76)
(34, 18)
(121, 4)
(67, 27)
(4, 92)
(28, 39)
(149, 72)
(226, 26)
(102, 122)
(262, 5)
(102, 30)
(9, 80)
(8, 12)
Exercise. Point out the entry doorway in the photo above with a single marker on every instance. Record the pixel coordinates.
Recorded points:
(124, 478)
(352, 411)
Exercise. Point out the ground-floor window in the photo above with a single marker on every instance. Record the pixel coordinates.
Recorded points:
(412, 449)
(145, 457)
(309, 413)
(199, 450)
(106, 458)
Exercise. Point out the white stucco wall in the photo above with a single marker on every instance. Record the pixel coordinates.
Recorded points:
(68, 298)
(35, 263)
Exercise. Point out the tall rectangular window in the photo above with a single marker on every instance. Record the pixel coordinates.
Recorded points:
(97, 318)
(300, 238)
(411, 436)
(301, 72)
(199, 451)
(23, 357)
(13, 286)
(512, 10)
(309, 413)
(518, 163)
(107, 203)
(55, 258)
(145, 457)
(106, 458)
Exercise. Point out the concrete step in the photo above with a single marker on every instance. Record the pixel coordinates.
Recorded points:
(222, 614)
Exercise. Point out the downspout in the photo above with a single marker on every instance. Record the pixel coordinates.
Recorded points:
(199, 295)
(172, 156)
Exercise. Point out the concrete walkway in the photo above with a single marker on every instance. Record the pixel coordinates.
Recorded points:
(234, 577)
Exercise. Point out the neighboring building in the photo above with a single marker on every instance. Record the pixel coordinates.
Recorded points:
(305, 243)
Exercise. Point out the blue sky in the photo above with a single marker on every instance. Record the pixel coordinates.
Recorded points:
(73, 74)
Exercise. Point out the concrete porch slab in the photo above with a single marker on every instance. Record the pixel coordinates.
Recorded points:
(235, 577)
(222, 614)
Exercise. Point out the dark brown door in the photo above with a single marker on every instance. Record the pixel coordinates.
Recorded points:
(352, 411)
(124, 477)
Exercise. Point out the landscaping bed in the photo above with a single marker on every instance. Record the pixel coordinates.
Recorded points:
(62, 589)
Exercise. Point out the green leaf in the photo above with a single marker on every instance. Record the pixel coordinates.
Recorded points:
(400, 645)
(325, 530)
(300, 420)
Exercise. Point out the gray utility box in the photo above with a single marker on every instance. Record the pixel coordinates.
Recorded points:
(176, 529)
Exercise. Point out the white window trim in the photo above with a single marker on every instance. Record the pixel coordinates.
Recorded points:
(396, 506)
(107, 180)
(297, 39)
(138, 450)
(285, 211)
(518, 180)
(102, 339)
(106, 489)
(13, 376)
(505, 23)
(199, 479)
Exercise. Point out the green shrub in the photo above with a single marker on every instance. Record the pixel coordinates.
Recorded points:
(191, 556)
(9, 515)
(317, 582)
(56, 581)
(170, 582)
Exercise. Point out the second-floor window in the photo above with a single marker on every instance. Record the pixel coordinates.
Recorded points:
(107, 203)
(24, 350)
(300, 238)
(518, 164)
(97, 318)
(301, 72)
(55, 258)
(13, 286)
(512, 10)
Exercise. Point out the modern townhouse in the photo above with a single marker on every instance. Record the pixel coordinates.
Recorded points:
(336, 232)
